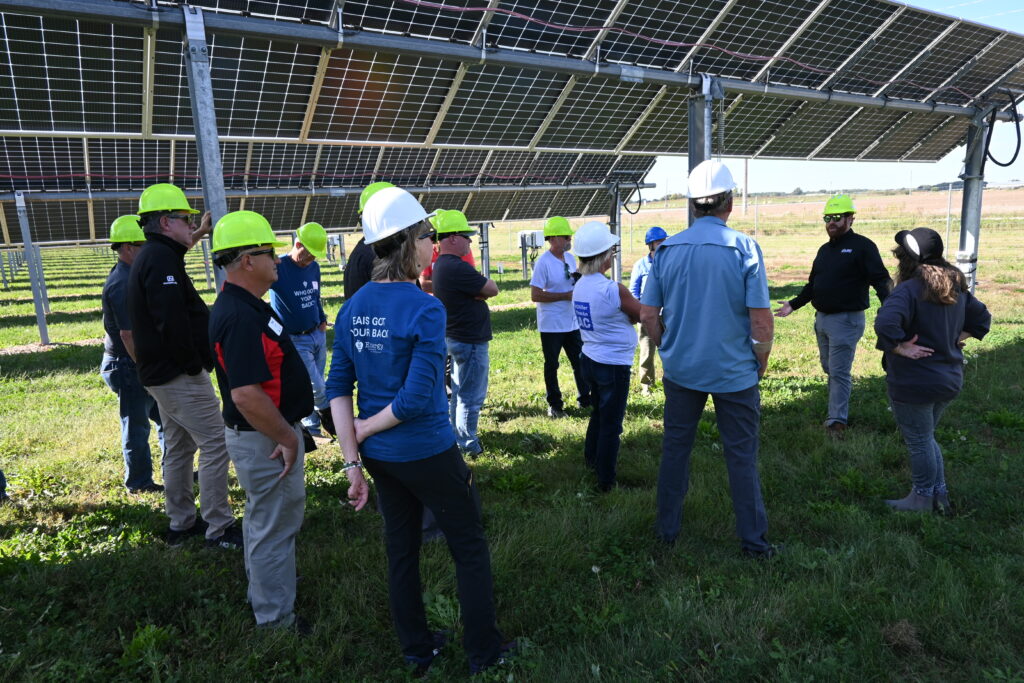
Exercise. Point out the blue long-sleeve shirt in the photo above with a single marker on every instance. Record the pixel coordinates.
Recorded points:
(295, 297)
(389, 340)
(638, 278)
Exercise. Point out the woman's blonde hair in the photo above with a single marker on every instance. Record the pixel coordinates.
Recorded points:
(396, 254)
(592, 264)
(943, 282)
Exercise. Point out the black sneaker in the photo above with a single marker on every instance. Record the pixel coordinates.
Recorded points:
(175, 537)
(768, 553)
(505, 652)
(148, 488)
(231, 539)
(556, 413)
(421, 665)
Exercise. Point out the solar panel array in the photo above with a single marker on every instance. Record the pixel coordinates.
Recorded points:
(95, 106)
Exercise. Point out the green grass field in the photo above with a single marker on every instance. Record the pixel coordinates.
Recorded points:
(90, 591)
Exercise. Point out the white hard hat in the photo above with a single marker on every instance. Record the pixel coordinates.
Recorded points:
(390, 211)
(708, 179)
(593, 238)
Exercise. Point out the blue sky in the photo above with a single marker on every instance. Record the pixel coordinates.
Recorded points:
(669, 173)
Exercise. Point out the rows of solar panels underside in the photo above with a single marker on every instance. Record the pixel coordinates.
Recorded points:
(64, 75)
(69, 220)
(860, 46)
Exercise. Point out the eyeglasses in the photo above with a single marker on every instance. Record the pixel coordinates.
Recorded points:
(186, 217)
(258, 252)
(568, 275)
(834, 217)
(430, 235)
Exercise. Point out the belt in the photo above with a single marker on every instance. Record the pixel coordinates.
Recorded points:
(309, 331)
(240, 428)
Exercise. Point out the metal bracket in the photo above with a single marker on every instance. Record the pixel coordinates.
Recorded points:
(631, 74)
(195, 34)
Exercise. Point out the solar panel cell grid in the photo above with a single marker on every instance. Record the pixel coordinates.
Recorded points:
(592, 168)
(665, 129)
(408, 19)
(56, 221)
(551, 167)
(950, 54)
(488, 206)
(42, 164)
(799, 133)
(597, 114)
(903, 138)
(508, 168)
(106, 211)
(992, 66)
(573, 202)
(281, 165)
(942, 141)
(446, 200)
(457, 167)
(61, 74)
(665, 20)
(380, 98)
(284, 213)
(857, 135)
(346, 166)
(128, 164)
(513, 32)
(533, 204)
(406, 166)
(500, 106)
(334, 212)
(750, 123)
(631, 168)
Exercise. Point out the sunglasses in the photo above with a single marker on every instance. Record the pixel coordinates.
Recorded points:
(186, 217)
(258, 252)
(430, 235)
(834, 217)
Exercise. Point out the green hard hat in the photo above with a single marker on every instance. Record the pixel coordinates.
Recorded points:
(164, 197)
(313, 238)
(126, 229)
(369, 191)
(841, 203)
(451, 221)
(557, 227)
(243, 229)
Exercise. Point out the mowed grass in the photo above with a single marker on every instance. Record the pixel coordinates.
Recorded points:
(89, 590)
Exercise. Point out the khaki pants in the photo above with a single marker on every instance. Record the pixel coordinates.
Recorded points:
(274, 509)
(191, 416)
(647, 375)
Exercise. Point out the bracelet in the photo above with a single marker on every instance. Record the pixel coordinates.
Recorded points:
(351, 465)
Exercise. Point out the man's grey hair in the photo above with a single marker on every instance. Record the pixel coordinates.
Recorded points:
(150, 222)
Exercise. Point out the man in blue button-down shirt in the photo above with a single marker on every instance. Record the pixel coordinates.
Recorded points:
(637, 282)
(710, 287)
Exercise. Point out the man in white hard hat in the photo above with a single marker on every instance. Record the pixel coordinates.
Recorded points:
(710, 287)
(295, 297)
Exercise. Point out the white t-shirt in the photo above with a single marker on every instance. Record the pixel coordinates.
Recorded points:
(608, 336)
(549, 274)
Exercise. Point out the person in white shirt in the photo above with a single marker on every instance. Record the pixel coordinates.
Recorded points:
(606, 313)
(554, 275)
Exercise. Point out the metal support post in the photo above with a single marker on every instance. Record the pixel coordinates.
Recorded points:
(709, 107)
(615, 223)
(204, 117)
(26, 238)
(42, 279)
(206, 262)
(698, 136)
(970, 213)
(3, 272)
(485, 249)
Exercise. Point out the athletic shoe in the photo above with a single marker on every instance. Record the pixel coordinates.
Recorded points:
(148, 488)
(421, 665)
(231, 539)
(176, 537)
(505, 652)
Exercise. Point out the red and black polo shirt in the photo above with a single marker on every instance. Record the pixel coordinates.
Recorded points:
(251, 346)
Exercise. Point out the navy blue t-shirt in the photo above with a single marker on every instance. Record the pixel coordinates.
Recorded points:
(456, 284)
(295, 297)
(115, 310)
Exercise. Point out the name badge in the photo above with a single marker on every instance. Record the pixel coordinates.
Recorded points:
(275, 326)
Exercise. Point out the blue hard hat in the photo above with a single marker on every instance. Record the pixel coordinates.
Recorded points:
(654, 234)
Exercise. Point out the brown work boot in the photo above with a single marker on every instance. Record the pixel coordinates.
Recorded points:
(836, 430)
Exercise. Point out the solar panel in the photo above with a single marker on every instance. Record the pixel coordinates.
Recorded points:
(530, 204)
(574, 202)
(488, 206)
(444, 200)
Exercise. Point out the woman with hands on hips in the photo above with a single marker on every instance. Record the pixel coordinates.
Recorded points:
(922, 327)
(389, 340)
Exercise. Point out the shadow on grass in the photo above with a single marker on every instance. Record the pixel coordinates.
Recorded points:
(70, 357)
(53, 318)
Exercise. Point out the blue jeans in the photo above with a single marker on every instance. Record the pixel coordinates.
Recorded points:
(609, 386)
(137, 409)
(470, 366)
(312, 350)
(739, 419)
(917, 422)
(838, 334)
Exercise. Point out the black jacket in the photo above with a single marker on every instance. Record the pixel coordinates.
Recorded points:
(841, 274)
(170, 322)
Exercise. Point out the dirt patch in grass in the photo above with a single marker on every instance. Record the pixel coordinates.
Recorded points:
(36, 347)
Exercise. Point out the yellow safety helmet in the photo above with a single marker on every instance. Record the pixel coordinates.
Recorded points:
(557, 227)
(243, 229)
(841, 203)
(126, 229)
(164, 197)
(313, 238)
(451, 221)
(369, 191)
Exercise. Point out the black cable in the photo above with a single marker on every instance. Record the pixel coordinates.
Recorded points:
(991, 129)
(639, 200)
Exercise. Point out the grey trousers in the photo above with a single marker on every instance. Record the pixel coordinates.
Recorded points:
(274, 509)
(838, 334)
(190, 412)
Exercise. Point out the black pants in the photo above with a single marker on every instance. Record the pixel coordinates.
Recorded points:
(552, 343)
(444, 484)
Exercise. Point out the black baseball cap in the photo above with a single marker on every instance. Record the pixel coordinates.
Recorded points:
(923, 244)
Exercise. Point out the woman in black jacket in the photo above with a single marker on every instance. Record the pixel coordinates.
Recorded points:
(922, 327)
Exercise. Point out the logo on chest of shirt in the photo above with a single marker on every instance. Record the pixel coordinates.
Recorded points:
(582, 309)
(846, 251)
(170, 280)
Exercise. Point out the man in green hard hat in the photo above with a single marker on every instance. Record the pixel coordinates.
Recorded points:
(360, 262)
(172, 353)
(295, 297)
(266, 394)
(554, 276)
(838, 290)
(118, 370)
